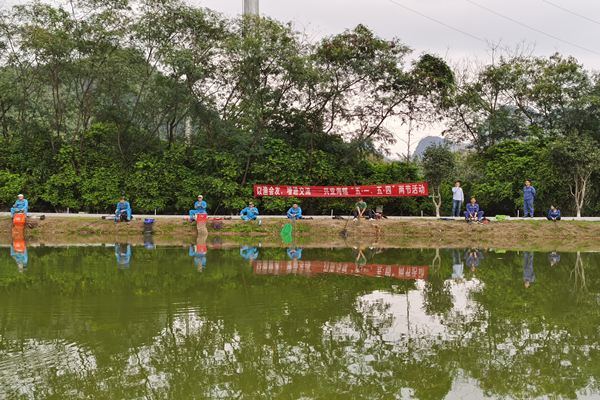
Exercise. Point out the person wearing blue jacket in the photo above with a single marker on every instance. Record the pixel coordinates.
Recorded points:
(249, 253)
(20, 257)
(528, 274)
(554, 213)
(20, 207)
(473, 210)
(123, 208)
(528, 195)
(199, 208)
(473, 258)
(294, 253)
(123, 256)
(294, 212)
(249, 213)
(199, 254)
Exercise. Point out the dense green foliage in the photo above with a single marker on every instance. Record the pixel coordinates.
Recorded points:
(159, 101)
(528, 118)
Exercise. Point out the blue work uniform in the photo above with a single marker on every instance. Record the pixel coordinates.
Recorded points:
(19, 256)
(554, 258)
(554, 214)
(294, 213)
(528, 195)
(19, 205)
(199, 208)
(123, 259)
(473, 260)
(528, 274)
(249, 252)
(126, 208)
(199, 258)
(294, 253)
(473, 209)
(249, 213)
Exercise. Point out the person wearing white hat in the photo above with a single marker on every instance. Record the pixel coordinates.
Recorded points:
(199, 208)
(20, 206)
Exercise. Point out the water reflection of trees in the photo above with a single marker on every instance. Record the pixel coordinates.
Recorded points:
(239, 341)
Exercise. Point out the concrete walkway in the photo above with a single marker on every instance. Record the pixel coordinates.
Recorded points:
(182, 217)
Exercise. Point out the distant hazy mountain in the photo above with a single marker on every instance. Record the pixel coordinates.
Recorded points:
(429, 140)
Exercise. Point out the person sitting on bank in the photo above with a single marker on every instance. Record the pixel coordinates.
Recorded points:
(473, 210)
(361, 210)
(199, 208)
(249, 213)
(20, 207)
(294, 212)
(554, 213)
(123, 210)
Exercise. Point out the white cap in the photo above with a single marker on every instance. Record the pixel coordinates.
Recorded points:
(200, 195)
(20, 195)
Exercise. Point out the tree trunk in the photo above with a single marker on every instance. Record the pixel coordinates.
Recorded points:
(437, 203)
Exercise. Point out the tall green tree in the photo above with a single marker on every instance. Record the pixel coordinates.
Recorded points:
(577, 157)
(438, 164)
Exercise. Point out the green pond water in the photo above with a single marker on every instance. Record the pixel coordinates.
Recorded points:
(250, 322)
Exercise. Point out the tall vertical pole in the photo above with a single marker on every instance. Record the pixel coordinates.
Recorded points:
(251, 7)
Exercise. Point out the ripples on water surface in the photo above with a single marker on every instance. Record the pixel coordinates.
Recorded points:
(126, 322)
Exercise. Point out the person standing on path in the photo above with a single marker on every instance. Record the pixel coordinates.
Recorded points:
(458, 198)
(528, 195)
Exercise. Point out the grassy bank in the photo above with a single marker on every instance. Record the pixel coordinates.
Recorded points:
(405, 233)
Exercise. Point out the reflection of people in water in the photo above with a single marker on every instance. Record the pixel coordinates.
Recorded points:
(249, 253)
(294, 253)
(472, 258)
(360, 258)
(457, 265)
(123, 253)
(554, 258)
(18, 251)
(528, 274)
(199, 254)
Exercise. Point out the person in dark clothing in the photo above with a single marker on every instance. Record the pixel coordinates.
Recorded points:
(554, 213)
(528, 195)
(528, 274)
(473, 210)
(472, 259)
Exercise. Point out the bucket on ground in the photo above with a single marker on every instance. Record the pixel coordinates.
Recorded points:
(19, 219)
(148, 226)
(217, 224)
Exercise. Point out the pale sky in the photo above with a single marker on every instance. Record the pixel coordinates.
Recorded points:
(571, 27)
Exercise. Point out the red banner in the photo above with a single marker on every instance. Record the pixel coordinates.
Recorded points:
(263, 267)
(402, 189)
